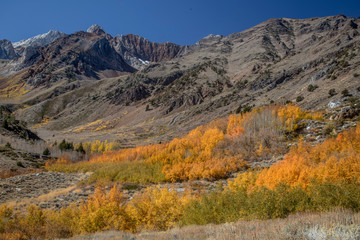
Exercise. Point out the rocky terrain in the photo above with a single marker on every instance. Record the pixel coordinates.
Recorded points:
(139, 52)
(45, 189)
(7, 50)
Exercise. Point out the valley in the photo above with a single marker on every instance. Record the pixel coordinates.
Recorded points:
(119, 133)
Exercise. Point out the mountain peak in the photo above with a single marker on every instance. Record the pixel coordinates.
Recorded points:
(95, 29)
(39, 40)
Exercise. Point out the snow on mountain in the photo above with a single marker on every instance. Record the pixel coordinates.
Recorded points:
(39, 40)
(95, 29)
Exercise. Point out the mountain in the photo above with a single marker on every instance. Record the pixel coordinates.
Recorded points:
(139, 51)
(7, 50)
(81, 53)
(95, 29)
(134, 90)
(39, 40)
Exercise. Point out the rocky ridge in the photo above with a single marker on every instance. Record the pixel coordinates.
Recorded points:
(39, 40)
(7, 50)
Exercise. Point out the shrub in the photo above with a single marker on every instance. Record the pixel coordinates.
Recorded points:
(332, 92)
(63, 146)
(103, 211)
(299, 98)
(212, 151)
(312, 88)
(155, 209)
(5, 123)
(80, 149)
(129, 172)
(46, 152)
(329, 129)
(215, 208)
(243, 109)
(336, 159)
(345, 93)
(20, 164)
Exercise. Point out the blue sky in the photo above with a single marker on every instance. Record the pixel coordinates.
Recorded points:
(181, 21)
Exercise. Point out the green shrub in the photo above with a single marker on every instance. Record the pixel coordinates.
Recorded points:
(243, 109)
(299, 98)
(127, 172)
(345, 93)
(264, 203)
(20, 164)
(312, 88)
(63, 146)
(46, 152)
(216, 208)
(328, 196)
(81, 149)
(332, 92)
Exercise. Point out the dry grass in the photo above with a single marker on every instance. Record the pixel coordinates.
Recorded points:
(54, 194)
(339, 224)
(42, 198)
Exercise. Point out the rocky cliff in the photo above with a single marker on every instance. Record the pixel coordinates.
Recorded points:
(7, 50)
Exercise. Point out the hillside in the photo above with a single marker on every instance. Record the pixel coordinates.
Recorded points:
(181, 87)
(237, 168)
(119, 133)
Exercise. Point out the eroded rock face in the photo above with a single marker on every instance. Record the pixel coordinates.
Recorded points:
(7, 50)
(145, 50)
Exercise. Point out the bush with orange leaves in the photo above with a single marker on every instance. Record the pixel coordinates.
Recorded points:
(335, 160)
(211, 151)
(154, 209)
(37, 223)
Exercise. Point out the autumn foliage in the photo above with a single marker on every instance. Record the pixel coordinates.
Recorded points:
(212, 151)
(310, 178)
(335, 160)
(155, 209)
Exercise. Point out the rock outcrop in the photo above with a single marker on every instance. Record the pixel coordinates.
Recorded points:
(139, 51)
(95, 29)
(7, 50)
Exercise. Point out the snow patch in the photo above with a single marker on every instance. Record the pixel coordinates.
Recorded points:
(39, 40)
(143, 62)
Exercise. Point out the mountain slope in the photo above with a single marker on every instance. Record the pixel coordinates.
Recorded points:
(80, 53)
(275, 61)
